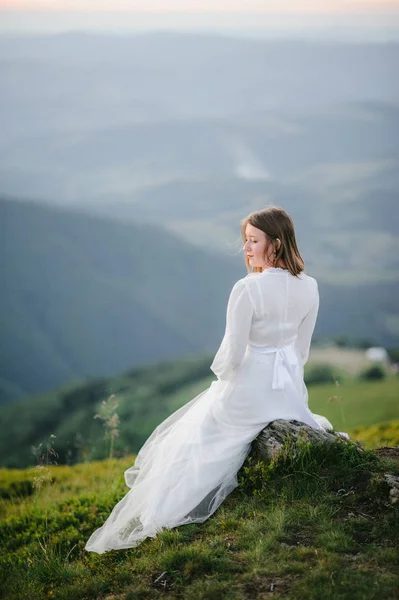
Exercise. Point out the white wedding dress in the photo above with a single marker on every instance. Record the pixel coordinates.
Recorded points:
(189, 464)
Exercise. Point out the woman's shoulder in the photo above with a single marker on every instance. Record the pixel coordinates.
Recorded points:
(244, 283)
(313, 280)
(311, 284)
(304, 275)
(249, 285)
(250, 279)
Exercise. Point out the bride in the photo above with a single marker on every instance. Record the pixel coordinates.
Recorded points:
(189, 464)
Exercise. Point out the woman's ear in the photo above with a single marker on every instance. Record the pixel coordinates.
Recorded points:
(278, 243)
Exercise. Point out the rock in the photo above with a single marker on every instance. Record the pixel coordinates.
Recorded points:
(271, 439)
(393, 483)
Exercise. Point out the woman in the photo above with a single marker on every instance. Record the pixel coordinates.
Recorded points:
(189, 464)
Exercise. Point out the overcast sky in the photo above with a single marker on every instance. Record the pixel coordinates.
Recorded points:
(354, 19)
(290, 6)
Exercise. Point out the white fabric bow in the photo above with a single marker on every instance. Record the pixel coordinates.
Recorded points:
(282, 365)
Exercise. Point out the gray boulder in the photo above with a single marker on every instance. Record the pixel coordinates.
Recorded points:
(271, 439)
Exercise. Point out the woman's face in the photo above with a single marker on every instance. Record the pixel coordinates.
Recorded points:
(255, 246)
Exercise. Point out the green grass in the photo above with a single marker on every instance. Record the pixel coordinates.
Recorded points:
(355, 403)
(312, 525)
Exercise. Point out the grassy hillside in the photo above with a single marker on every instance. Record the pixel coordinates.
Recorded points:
(353, 403)
(146, 396)
(318, 525)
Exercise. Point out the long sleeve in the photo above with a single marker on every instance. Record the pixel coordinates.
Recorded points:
(306, 328)
(239, 315)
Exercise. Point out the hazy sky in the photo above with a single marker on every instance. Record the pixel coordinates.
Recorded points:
(355, 20)
(290, 6)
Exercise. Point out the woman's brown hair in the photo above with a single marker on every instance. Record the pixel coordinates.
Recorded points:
(276, 224)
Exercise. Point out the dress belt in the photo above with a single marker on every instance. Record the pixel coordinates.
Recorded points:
(282, 369)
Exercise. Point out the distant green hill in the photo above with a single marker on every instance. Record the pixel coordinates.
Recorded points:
(84, 297)
(145, 395)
